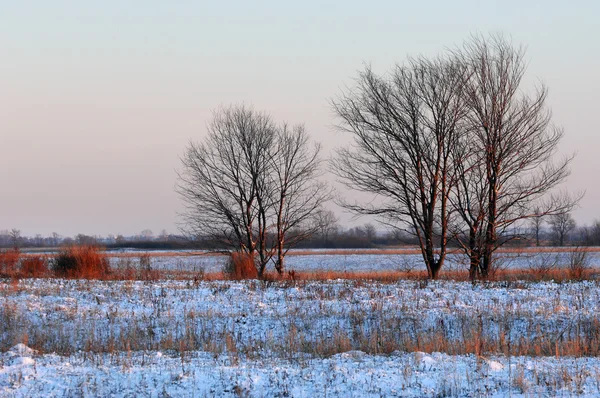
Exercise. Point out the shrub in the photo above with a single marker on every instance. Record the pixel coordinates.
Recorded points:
(145, 262)
(8, 261)
(34, 267)
(81, 262)
(541, 265)
(578, 263)
(241, 266)
(146, 272)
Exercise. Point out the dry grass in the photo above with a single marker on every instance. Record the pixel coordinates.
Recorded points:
(9, 260)
(34, 267)
(86, 262)
(134, 273)
(544, 266)
(241, 266)
(379, 327)
(409, 250)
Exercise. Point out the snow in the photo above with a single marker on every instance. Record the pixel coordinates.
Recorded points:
(305, 339)
(315, 261)
(341, 375)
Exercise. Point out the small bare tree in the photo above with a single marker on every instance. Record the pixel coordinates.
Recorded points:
(404, 127)
(536, 222)
(326, 224)
(561, 225)
(15, 238)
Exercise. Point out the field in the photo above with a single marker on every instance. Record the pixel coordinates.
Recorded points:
(203, 336)
(540, 263)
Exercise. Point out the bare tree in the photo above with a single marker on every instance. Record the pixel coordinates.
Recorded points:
(326, 224)
(15, 238)
(56, 238)
(147, 234)
(536, 222)
(222, 181)
(370, 231)
(590, 235)
(512, 133)
(468, 202)
(404, 129)
(561, 225)
(249, 183)
(297, 192)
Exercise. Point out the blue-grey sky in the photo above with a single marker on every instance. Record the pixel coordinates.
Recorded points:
(99, 99)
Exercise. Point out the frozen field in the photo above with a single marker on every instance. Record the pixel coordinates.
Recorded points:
(337, 338)
(350, 262)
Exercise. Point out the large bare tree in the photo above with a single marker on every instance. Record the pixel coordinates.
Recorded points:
(405, 126)
(249, 183)
(512, 143)
(222, 181)
(468, 201)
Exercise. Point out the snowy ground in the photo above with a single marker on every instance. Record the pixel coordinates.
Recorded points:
(354, 262)
(337, 338)
(351, 374)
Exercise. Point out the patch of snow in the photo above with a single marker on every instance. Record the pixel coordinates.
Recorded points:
(21, 349)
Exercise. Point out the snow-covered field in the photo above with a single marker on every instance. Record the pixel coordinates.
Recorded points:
(352, 262)
(334, 338)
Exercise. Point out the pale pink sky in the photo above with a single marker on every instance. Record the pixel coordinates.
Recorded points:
(98, 100)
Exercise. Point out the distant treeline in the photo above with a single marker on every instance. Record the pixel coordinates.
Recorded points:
(334, 237)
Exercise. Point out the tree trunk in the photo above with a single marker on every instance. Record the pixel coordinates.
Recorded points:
(280, 235)
(279, 265)
(490, 233)
(474, 265)
(434, 270)
(474, 254)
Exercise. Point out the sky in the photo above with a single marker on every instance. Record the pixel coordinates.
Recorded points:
(98, 100)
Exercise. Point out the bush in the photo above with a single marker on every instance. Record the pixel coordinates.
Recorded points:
(8, 262)
(34, 267)
(241, 266)
(578, 263)
(541, 265)
(85, 261)
(146, 273)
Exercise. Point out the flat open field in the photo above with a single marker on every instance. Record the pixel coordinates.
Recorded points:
(394, 264)
(358, 335)
(307, 338)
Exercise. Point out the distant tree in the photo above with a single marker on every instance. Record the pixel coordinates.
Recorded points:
(146, 234)
(38, 240)
(370, 231)
(591, 233)
(561, 225)
(82, 239)
(164, 235)
(15, 238)
(56, 239)
(536, 222)
(326, 223)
